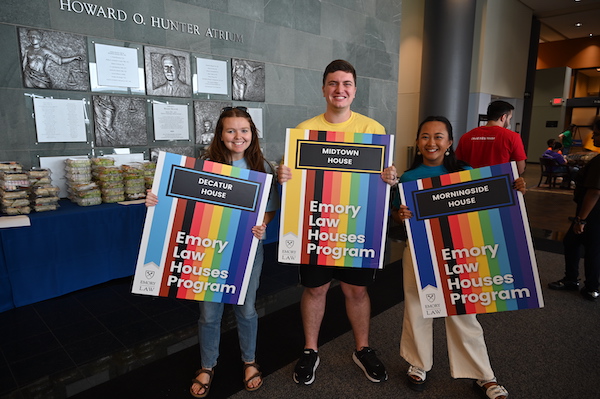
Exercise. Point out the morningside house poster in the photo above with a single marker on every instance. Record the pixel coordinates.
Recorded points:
(470, 243)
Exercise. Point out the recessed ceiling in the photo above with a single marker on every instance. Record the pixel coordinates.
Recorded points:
(558, 18)
(591, 72)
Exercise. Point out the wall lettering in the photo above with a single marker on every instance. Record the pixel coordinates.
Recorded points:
(116, 14)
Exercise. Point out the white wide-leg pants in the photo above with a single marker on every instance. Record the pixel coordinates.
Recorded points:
(467, 351)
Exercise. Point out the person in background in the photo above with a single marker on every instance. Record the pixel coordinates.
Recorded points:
(467, 351)
(550, 144)
(585, 230)
(339, 90)
(562, 166)
(493, 143)
(236, 143)
(566, 138)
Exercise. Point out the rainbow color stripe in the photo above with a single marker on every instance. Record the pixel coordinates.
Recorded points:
(366, 190)
(506, 226)
(210, 222)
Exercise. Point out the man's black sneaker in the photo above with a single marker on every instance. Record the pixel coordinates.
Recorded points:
(304, 372)
(590, 295)
(564, 285)
(367, 360)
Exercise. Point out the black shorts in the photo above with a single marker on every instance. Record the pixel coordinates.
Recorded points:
(313, 276)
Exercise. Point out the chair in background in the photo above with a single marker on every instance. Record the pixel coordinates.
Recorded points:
(548, 166)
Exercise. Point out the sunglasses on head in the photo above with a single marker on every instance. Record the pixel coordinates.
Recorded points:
(245, 109)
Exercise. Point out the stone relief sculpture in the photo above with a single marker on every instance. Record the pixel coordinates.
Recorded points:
(173, 86)
(104, 117)
(167, 73)
(208, 134)
(248, 80)
(206, 115)
(45, 56)
(119, 121)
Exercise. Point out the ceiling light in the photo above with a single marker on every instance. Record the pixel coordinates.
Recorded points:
(578, 24)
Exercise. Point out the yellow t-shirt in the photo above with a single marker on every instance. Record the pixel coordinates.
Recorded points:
(357, 123)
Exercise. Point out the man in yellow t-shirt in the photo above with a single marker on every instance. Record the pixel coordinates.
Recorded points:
(356, 123)
(339, 90)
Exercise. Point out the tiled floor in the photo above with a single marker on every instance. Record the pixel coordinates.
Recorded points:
(75, 341)
(59, 347)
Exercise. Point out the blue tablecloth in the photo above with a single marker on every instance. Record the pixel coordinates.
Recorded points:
(68, 249)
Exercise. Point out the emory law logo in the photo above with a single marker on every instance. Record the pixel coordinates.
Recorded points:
(289, 250)
(149, 274)
(430, 297)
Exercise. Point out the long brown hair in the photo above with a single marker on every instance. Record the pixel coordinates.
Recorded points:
(218, 152)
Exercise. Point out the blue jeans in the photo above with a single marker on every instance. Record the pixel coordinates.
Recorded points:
(209, 323)
(571, 170)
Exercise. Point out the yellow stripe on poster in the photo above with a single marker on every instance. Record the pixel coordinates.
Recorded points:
(294, 192)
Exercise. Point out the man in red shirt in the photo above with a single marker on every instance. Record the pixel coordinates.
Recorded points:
(493, 143)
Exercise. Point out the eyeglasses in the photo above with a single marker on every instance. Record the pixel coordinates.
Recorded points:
(245, 109)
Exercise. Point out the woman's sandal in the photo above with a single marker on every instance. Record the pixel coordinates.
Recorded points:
(492, 391)
(258, 374)
(416, 378)
(205, 386)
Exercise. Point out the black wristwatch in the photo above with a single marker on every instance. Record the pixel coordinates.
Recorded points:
(580, 221)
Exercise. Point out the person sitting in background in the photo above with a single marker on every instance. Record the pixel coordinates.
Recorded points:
(555, 154)
(550, 143)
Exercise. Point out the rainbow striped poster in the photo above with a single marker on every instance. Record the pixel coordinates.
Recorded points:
(197, 241)
(335, 208)
(469, 236)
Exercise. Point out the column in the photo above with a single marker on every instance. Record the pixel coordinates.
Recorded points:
(447, 51)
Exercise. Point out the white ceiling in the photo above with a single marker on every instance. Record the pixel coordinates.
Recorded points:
(558, 18)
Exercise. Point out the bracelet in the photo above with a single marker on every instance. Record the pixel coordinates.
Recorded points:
(580, 221)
